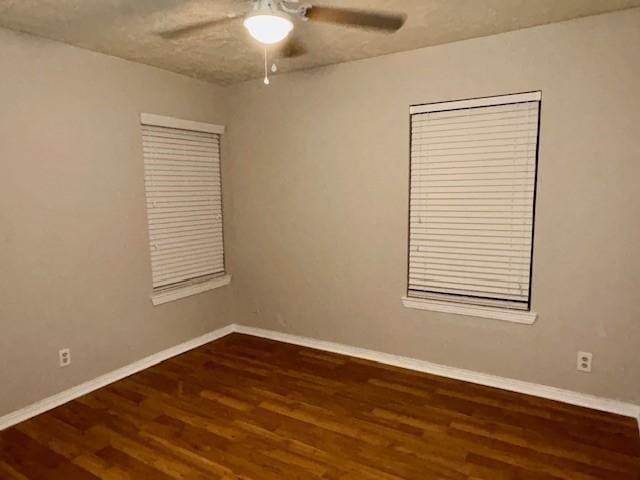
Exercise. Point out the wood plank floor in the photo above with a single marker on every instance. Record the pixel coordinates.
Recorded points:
(249, 408)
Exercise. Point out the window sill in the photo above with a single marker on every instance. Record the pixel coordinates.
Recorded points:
(181, 292)
(515, 316)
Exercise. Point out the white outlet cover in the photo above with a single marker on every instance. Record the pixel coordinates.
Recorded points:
(584, 361)
(64, 357)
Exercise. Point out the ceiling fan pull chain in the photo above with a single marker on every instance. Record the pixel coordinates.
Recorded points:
(266, 69)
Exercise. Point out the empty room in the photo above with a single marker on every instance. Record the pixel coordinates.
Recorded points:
(333, 240)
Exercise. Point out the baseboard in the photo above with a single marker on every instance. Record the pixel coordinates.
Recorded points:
(543, 391)
(54, 401)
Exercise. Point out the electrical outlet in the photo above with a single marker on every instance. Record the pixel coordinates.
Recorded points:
(584, 362)
(64, 357)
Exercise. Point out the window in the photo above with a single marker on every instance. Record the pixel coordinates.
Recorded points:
(472, 202)
(184, 206)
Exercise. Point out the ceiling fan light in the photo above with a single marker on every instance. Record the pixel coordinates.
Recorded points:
(268, 28)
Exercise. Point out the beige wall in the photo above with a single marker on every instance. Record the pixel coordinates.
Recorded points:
(74, 263)
(318, 177)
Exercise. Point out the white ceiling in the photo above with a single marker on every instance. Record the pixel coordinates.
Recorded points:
(225, 54)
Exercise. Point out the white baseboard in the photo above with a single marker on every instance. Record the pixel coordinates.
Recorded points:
(54, 401)
(543, 391)
(551, 393)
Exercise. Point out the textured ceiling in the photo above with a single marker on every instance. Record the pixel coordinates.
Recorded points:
(226, 54)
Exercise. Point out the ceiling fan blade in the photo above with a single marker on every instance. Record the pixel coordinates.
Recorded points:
(292, 48)
(196, 27)
(389, 22)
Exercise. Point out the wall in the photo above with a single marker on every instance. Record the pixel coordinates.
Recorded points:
(74, 259)
(318, 177)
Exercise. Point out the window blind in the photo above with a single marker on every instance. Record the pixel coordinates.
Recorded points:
(184, 200)
(472, 194)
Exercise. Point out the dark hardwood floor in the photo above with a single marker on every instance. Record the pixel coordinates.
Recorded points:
(249, 408)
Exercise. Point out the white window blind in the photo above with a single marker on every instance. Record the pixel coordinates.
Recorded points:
(472, 194)
(184, 200)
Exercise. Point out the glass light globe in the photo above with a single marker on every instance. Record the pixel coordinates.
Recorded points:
(268, 29)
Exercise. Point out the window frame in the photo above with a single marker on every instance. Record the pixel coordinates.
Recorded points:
(188, 287)
(447, 303)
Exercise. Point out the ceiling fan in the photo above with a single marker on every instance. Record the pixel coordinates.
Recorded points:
(271, 21)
